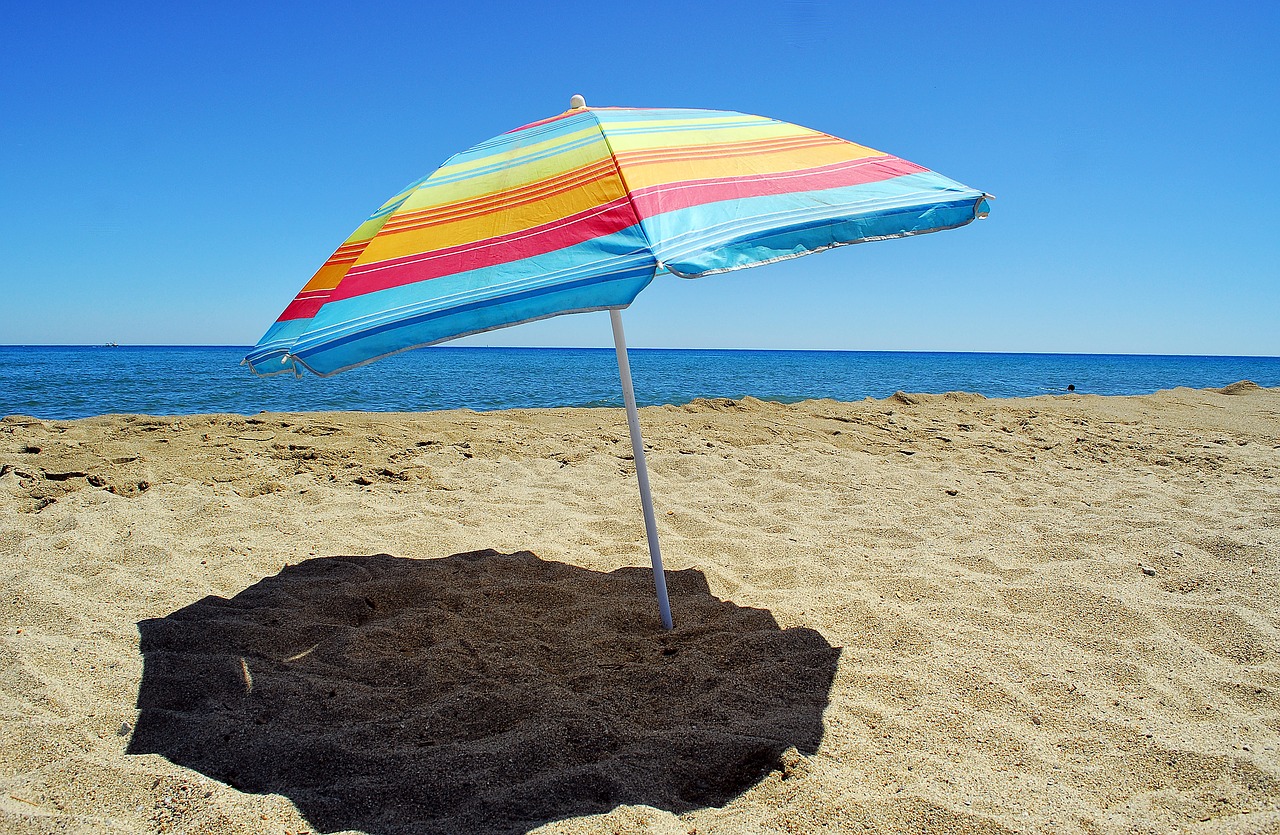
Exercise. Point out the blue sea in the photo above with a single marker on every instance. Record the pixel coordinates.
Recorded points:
(59, 382)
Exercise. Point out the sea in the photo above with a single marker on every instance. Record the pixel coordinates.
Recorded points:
(65, 382)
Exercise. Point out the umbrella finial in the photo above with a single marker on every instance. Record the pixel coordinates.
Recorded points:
(577, 103)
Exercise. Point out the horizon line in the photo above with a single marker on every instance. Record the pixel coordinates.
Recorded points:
(652, 348)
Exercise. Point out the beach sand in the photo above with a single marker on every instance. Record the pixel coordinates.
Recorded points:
(930, 613)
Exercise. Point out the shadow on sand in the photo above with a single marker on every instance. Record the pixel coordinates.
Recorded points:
(484, 692)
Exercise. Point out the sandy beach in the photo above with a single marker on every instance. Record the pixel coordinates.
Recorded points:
(930, 613)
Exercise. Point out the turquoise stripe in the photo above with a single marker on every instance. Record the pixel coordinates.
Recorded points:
(714, 237)
(537, 133)
(569, 263)
(622, 251)
(442, 177)
(816, 237)
(599, 292)
(264, 359)
(529, 136)
(611, 120)
(614, 130)
(668, 114)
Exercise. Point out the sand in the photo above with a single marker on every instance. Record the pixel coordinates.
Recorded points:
(922, 614)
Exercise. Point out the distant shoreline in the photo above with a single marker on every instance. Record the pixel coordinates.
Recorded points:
(900, 398)
(62, 383)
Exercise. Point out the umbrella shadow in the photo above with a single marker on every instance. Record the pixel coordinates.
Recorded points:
(483, 692)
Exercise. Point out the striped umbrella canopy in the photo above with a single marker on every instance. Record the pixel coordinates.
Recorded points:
(580, 212)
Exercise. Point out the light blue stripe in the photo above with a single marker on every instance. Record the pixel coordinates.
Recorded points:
(717, 126)
(537, 133)
(712, 237)
(668, 114)
(486, 148)
(530, 136)
(622, 251)
(599, 292)
(373, 310)
(275, 343)
(443, 177)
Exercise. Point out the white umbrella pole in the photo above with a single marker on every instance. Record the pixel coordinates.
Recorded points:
(642, 471)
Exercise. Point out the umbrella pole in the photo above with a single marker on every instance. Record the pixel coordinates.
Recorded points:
(642, 471)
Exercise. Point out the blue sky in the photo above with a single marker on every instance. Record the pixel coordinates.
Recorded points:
(173, 173)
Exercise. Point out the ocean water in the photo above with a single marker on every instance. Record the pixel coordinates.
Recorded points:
(60, 382)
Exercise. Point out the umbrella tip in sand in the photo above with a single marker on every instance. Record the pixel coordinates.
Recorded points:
(577, 103)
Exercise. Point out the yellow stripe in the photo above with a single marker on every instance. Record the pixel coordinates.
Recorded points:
(503, 221)
(516, 177)
(494, 199)
(651, 174)
(329, 274)
(519, 151)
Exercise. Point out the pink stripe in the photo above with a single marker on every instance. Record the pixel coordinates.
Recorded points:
(669, 197)
(596, 222)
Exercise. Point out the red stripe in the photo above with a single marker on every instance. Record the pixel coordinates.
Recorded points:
(301, 308)
(596, 222)
(668, 197)
(348, 258)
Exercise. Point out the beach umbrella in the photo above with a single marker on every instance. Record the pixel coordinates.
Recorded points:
(579, 212)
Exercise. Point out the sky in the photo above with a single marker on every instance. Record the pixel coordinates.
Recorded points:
(172, 173)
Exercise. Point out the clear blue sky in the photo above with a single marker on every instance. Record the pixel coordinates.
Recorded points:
(173, 173)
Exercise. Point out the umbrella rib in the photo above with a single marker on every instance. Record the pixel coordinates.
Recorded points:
(626, 189)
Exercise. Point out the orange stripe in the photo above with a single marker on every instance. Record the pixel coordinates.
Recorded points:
(327, 277)
(349, 258)
(580, 200)
(498, 205)
(465, 208)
